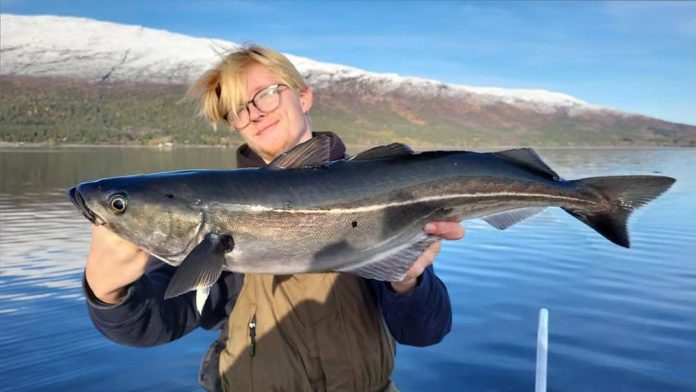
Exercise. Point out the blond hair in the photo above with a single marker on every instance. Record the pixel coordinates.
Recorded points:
(221, 90)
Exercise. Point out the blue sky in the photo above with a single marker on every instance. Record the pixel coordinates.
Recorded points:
(638, 57)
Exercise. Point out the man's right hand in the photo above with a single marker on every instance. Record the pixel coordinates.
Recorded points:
(113, 263)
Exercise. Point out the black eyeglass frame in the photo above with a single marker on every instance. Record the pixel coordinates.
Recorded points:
(275, 86)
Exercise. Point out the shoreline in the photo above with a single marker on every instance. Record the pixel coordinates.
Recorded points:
(19, 145)
(354, 147)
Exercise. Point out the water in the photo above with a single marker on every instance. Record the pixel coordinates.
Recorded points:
(620, 320)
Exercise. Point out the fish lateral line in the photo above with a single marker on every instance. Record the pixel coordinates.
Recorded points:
(376, 207)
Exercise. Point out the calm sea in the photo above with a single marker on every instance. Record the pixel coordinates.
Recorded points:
(620, 319)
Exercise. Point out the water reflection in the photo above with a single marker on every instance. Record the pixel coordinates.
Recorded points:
(39, 170)
(619, 319)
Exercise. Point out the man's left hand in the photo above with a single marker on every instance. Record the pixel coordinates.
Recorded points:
(443, 229)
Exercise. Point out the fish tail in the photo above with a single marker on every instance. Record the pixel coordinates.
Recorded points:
(624, 194)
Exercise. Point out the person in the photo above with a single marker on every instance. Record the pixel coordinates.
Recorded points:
(320, 331)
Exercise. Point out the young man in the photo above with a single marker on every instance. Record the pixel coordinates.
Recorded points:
(325, 331)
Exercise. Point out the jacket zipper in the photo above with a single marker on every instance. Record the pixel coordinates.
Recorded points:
(252, 335)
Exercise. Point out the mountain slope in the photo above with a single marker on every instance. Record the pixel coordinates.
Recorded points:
(365, 107)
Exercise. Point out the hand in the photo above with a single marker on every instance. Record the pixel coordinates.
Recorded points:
(443, 229)
(112, 264)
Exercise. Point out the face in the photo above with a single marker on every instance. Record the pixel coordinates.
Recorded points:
(271, 134)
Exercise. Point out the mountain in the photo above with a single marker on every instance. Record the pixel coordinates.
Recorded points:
(65, 79)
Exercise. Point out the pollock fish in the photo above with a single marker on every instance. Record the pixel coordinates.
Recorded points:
(363, 215)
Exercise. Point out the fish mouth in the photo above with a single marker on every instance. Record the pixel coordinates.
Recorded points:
(81, 205)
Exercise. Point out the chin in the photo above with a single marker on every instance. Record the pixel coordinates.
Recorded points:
(274, 143)
(269, 151)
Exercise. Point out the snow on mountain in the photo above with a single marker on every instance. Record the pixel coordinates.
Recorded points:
(103, 51)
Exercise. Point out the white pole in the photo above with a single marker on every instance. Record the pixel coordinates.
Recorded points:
(542, 350)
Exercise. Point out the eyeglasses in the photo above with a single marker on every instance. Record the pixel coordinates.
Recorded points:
(266, 100)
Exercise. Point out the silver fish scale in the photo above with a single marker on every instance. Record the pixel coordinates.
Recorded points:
(291, 242)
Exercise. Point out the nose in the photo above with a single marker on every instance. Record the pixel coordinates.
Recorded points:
(254, 113)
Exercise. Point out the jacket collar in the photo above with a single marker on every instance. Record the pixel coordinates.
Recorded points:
(246, 157)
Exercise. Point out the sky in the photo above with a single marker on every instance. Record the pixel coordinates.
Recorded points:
(638, 57)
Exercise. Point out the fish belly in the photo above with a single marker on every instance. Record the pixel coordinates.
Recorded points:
(295, 241)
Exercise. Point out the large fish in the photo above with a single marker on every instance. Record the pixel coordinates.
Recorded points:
(363, 215)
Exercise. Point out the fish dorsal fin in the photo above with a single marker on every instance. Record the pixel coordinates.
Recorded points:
(528, 158)
(503, 220)
(312, 153)
(389, 151)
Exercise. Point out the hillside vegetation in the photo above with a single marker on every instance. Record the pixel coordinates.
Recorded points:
(47, 110)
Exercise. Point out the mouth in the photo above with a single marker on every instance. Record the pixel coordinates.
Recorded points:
(264, 129)
(81, 205)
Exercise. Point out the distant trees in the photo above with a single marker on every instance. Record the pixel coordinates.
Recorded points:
(43, 110)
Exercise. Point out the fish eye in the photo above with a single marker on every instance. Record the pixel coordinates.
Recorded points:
(118, 204)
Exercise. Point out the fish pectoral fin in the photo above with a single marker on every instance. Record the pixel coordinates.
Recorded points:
(503, 220)
(314, 152)
(392, 264)
(202, 267)
(393, 150)
(201, 296)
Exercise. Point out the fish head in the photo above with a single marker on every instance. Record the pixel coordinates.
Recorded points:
(153, 213)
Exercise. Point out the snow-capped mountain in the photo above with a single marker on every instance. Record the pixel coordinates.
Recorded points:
(409, 108)
(97, 51)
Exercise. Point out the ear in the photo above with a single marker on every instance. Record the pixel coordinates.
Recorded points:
(306, 99)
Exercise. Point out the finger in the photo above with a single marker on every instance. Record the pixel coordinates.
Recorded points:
(446, 230)
(416, 270)
(101, 233)
(432, 250)
(428, 255)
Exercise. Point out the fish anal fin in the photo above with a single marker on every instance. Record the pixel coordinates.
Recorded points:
(393, 264)
(503, 220)
(527, 157)
(393, 150)
(202, 267)
(314, 152)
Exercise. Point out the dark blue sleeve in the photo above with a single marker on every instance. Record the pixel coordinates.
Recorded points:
(421, 317)
(144, 318)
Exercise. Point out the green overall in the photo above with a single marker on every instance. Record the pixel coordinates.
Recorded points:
(309, 332)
